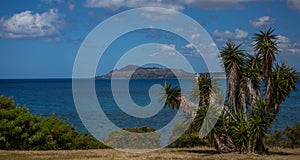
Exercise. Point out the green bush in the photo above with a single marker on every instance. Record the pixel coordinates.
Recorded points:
(288, 138)
(190, 138)
(134, 138)
(22, 131)
(143, 129)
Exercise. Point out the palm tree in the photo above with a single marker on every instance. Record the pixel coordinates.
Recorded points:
(253, 74)
(221, 141)
(233, 62)
(244, 74)
(284, 82)
(171, 96)
(266, 47)
(202, 89)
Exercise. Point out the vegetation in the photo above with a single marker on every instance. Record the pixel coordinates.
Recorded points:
(189, 139)
(233, 63)
(257, 86)
(19, 130)
(134, 138)
(250, 107)
(171, 96)
(288, 138)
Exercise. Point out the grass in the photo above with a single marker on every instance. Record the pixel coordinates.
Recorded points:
(168, 153)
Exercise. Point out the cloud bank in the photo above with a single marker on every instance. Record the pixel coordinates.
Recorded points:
(171, 4)
(28, 24)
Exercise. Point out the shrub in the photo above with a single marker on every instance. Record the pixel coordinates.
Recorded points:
(21, 130)
(190, 138)
(288, 138)
(134, 138)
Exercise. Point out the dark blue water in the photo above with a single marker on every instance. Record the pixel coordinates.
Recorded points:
(47, 96)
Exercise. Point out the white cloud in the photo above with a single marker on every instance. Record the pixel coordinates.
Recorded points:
(170, 47)
(52, 1)
(238, 34)
(117, 4)
(194, 36)
(28, 24)
(189, 46)
(154, 14)
(190, 50)
(171, 4)
(213, 4)
(286, 46)
(154, 54)
(295, 4)
(171, 54)
(222, 34)
(212, 45)
(294, 51)
(165, 51)
(283, 41)
(262, 21)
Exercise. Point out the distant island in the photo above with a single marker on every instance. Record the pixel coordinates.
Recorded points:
(151, 73)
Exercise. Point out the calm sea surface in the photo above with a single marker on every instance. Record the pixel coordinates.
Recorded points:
(46, 96)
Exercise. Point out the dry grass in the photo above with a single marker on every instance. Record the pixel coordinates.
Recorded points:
(178, 153)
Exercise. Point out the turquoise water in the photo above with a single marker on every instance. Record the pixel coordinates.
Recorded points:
(46, 96)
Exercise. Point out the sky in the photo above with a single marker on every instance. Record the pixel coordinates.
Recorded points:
(41, 38)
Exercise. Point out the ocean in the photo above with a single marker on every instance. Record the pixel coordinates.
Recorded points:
(47, 96)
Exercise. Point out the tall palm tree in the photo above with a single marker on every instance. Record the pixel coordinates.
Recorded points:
(266, 47)
(232, 58)
(284, 82)
(253, 74)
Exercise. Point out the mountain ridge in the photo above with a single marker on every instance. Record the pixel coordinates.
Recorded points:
(138, 72)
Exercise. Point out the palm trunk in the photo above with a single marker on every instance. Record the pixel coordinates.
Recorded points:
(230, 143)
(219, 143)
(251, 92)
(258, 92)
(243, 99)
(232, 79)
(269, 90)
(277, 107)
(188, 107)
(254, 92)
(260, 146)
(276, 110)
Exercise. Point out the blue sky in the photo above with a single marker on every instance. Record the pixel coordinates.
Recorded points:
(41, 38)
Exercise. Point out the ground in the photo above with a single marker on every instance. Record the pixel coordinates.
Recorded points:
(169, 153)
